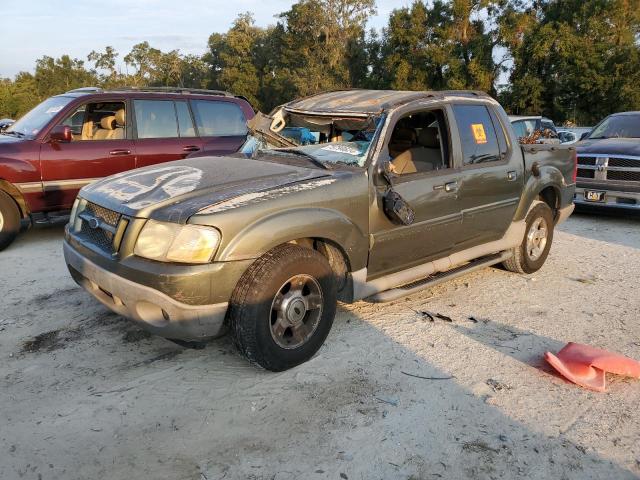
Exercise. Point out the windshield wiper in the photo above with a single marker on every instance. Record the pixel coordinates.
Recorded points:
(313, 160)
(13, 132)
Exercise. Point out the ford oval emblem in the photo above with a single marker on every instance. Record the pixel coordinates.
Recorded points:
(94, 223)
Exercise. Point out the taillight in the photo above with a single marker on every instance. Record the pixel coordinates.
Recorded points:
(575, 165)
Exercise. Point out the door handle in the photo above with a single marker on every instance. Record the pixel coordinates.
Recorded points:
(120, 152)
(511, 176)
(447, 187)
(191, 148)
(451, 187)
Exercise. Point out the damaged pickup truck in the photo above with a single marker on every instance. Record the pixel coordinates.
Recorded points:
(340, 196)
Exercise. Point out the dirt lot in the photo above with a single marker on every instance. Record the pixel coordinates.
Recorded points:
(85, 395)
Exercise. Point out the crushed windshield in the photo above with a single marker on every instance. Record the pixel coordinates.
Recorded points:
(618, 126)
(324, 140)
(35, 120)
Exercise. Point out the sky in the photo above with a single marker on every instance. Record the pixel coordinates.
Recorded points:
(33, 28)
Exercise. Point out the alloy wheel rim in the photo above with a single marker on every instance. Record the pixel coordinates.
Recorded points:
(1, 222)
(537, 238)
(296, 311)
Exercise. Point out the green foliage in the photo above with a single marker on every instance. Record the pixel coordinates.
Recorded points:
(567, 59)
(577, 61)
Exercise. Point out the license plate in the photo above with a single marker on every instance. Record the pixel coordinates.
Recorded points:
(594, 196)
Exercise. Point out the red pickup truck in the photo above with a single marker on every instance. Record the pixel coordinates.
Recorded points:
(70, 140)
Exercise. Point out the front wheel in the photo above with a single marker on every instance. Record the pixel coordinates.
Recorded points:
(283, 307)
(9, 220)
(534, 249)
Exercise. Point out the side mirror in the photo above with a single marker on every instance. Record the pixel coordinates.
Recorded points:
(397, 209)
(584, 135)
(60, 133)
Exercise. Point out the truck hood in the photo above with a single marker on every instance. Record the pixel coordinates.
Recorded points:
(610, 146)
(175, 191)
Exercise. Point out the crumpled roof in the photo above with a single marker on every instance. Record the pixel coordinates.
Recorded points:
(364, 101)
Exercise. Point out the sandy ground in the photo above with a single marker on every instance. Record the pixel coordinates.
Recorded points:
(86, 395)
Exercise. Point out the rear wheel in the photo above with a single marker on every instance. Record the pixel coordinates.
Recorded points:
(9, 220)
(283, 307)
(534, 249)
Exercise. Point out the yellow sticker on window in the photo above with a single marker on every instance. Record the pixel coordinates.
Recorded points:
(478, 133)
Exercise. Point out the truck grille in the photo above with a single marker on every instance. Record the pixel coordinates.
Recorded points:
(623, 176)
(99, 226)
(613, 168)
(624, 162)
(587, 160)
(584, 173)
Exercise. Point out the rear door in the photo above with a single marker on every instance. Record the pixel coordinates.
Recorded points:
(491, 180)
(101, 146)
(164, 131)
(221, 124)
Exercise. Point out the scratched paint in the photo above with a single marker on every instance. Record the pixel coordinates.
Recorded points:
(256, 197)
(150, 186)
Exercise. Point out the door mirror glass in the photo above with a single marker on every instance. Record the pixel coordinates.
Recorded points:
(60, 133)
(584, 135)
(397, 209)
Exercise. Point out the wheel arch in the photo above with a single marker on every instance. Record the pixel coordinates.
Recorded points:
(13, 191)
(328, 231)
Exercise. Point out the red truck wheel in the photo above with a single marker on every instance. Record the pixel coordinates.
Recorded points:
(9, 220)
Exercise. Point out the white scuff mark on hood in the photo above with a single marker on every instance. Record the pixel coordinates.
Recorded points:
(256, 197)
(144, 188)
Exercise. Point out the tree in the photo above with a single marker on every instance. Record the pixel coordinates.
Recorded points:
(319, 43)
(443, 46)
(233, 59)
(577, 61)
(105, 61)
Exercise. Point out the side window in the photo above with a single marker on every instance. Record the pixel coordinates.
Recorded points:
(500, 133)
(477, 134)
(419, 143)
(185, 123)
(529, 127)
(518, 127)
(219, 119)
(156, 119)
(97, 121)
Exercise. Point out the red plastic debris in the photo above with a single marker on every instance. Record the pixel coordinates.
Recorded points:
(585, 365)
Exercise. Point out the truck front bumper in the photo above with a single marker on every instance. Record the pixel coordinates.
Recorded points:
(613, 199)
(150, 308)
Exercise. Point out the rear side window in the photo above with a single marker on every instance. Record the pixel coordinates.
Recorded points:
(477, 133)
(185, 123)
(156, 119)
(219, 119)
(518, 128)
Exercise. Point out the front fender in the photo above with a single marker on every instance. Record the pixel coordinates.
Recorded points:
(266, 233)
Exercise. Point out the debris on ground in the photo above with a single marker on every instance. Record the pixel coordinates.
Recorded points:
(432, 316)
(426, 378)
(497, 385)
(585, 365)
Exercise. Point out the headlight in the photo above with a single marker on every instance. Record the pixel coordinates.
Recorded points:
(78, 206)
(169, 242)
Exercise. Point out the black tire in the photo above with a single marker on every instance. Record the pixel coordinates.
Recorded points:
(9, 220)
(523, 259)
(252, 315)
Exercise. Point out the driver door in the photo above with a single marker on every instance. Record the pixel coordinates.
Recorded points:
(100, 147)
(432, 193)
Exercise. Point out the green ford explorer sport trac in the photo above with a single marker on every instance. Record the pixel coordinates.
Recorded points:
(340, 196)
